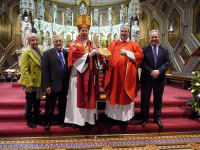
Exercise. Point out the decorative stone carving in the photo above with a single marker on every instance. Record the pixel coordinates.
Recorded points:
(109, 16)
(134, 10)
(27, 6)
(106, 33)
(122, 14)
(83, 9)
(68, 15)
(41, 10)
(96, 17)
(54, 14)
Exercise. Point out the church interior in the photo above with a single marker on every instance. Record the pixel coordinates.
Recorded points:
(178, 22)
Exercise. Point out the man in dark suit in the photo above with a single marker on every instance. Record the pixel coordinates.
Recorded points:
(55, 78)
(155, 64)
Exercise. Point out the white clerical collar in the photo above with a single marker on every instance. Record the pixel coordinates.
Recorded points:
(84, 41)
(123, 41)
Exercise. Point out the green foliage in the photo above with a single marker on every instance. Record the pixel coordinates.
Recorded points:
(194, 102)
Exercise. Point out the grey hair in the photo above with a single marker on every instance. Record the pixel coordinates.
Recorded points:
(56, 36)
(154, 30)
(125, 25)
(32, 35)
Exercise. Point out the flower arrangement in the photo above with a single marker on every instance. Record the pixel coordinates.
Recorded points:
(194, 102)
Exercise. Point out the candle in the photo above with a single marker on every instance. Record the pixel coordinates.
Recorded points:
(63, 18)
(54, 17)
(91, 20)
(72, 19)
(101, 20)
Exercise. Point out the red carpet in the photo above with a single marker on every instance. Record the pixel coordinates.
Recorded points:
(175, 116)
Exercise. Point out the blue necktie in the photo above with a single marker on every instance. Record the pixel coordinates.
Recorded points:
(62, 61)
(155, 56)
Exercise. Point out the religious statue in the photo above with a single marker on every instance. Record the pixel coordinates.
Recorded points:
(135, 32)
(95, 42)
(116, 37)
(96, 17)
(109, 38)
(68, 16)
(41, 10)
(45, 45)
(110, 16)
(54, 13)
(122, 14)
(83, 9)
(103, 41)
(26, 30)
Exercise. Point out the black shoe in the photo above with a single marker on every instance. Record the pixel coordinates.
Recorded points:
(124, 124)
(159, 123)
(109, 124)
(38, 122)
(62, 125)
(31, 125)
(47, 126)
(144, 123)
(74, 126)
(88, 126)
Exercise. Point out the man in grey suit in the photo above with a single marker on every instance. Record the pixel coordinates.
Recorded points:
(155, 64)
(55, 78)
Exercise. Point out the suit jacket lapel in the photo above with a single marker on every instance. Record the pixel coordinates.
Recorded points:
(54, 53)
(159, 54)
(151, 54)
(33, 57)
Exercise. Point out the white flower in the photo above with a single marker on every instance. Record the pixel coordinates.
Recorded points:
(197, 84)
(198, 95)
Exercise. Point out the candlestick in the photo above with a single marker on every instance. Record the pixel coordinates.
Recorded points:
(91, 20)
(72, 19)
(63, 18)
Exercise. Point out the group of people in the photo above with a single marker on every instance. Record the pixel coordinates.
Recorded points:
(72, 78)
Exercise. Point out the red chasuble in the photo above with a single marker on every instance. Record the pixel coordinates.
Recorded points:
(88, 81)
(120, 74)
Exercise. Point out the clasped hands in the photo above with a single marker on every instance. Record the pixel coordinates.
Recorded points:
(155, 73)
(123, 52)
(93, 52)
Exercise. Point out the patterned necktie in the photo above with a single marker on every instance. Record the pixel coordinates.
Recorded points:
(155, 56)
(62, 61)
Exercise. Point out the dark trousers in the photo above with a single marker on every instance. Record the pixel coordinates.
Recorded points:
(32, 107)
(51, 102)
(157, 100)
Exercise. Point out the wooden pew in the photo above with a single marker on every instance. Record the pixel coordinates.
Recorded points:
(184, 81)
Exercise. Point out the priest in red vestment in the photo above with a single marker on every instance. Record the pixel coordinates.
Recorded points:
(120, 77)
(83, 84)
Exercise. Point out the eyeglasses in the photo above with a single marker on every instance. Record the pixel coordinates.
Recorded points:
(58, 41)
(124, 31)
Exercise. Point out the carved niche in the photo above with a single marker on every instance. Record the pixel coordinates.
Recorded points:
(154, 25)
(153, 2)
(196, 20)
(185, 55)
(164, 7)
(175, 20)
(5, 30)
